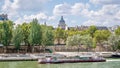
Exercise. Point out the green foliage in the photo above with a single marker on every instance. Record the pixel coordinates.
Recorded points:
(114, 41)
(117, 31)
(17, 37)
(26, 31)
(59, 34)
(84, 32)
(94, 43)
(78, 40)
(87, 40)
(7, 27)
(101, 35)
(47, 37)
(92, 30)
(35, 35)
(1, 30)
(74, 40)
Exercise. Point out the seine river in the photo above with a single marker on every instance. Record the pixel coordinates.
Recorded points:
(33, 64)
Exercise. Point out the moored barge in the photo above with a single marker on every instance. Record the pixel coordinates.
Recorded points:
(75, 59)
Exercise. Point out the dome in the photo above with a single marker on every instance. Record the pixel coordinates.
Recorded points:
(61, 20)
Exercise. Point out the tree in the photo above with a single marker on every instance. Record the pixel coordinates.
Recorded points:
(7, 33)
(92, 30)
(59, 34)
(17, 37)
(101, 36)
(78, 40)
(48, 37)
(114, 41)
(35, 36)
(94, 43)
(87, 40)
(117, 31)
(1, 30)
(74, 40)
(26, 31)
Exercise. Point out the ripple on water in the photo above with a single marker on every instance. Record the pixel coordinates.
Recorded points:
(112, 63)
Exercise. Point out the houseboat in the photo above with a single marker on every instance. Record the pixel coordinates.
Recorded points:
(75, 59)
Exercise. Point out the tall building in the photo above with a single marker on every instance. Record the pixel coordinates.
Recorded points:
(62, 23)
(3, 17)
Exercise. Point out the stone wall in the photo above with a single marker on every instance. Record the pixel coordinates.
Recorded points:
(57, 48)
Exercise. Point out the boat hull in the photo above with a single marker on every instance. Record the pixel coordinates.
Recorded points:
(71, 61)
(115, 56)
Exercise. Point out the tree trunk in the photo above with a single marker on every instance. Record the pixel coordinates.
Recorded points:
(43, 48)
(5, 49)
(58, 40)
(100, 46)
(78, 48)
(18, 51)
(29, 48)
(33, 49)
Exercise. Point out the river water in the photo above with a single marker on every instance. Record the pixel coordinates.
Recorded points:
(112, 63)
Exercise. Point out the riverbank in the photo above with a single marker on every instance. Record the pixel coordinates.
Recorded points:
(36, 56)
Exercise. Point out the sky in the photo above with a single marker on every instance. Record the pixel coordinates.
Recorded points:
(75, 12)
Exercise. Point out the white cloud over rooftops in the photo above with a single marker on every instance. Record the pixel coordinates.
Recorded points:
(105, 1)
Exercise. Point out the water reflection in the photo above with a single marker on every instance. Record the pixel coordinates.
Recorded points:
(34, 64)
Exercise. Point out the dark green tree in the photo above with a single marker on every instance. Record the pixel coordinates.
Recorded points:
(1, 30)
(26, 31)
(35, 35)
(47, 37)
(7, 27)
(17, 37)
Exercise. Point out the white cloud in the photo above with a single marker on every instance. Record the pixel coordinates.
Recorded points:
(117, 15)
(40, 16)
(91, 22)
(8, 8)
(67, 9)
(105, 1)
(62, 9)
(77, 8)
(18, 7)
(108, 15)
(97, 23)
(23, 5)
(51, 18)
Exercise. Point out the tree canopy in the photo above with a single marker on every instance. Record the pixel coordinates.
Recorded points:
(7, 27)
(117, 31)
(35, 35)
(17, 37)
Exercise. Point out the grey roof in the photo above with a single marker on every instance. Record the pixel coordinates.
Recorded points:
(3, 17)
(102, 28)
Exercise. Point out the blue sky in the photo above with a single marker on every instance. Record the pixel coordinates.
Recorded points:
(75, 12)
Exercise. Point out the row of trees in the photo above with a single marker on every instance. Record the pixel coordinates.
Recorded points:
(93, 37)
(33, 34)
(29, 34)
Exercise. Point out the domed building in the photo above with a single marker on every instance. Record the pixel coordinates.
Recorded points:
(62, 23)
